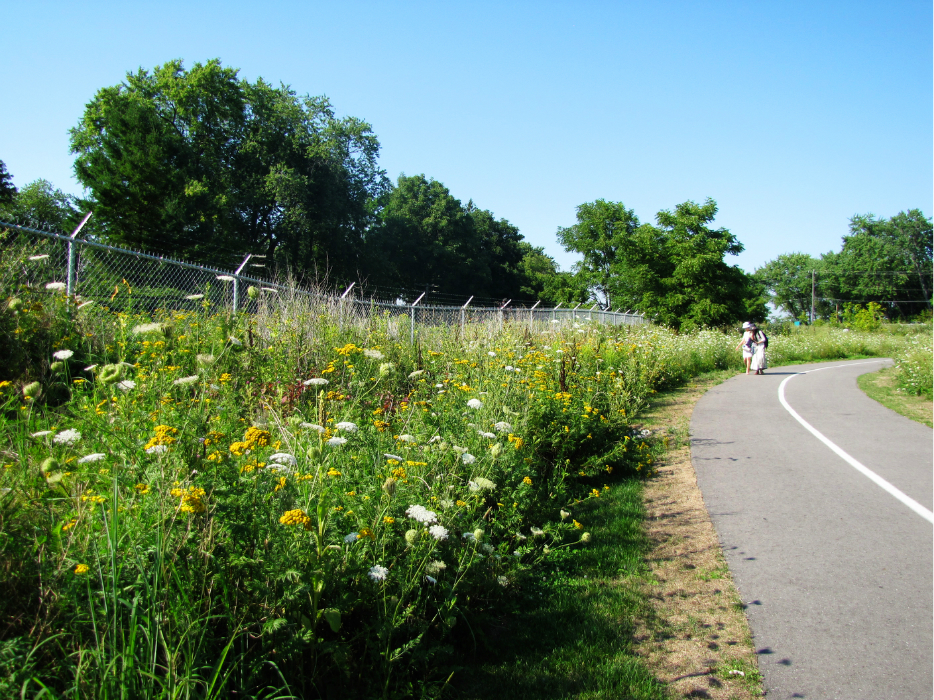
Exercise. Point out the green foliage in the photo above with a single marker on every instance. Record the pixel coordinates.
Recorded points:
(41, 204)
(788, 279)
(7, 188)
(863, 318)
(201, 161)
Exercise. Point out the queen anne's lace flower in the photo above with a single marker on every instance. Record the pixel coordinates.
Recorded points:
(475, 404)
(313, 426)
(347, 426)
(186, 380)
(315, 381)
(147, 328)
(373, 354)
(421, 514)
(67, 437)
(436, 567)
(194, 297)
(395, 457)
(438, 532)
(96, 457)
(378, 573)
(225, 278)
(480, 484)
(283, 458)
(337, 441)
(157, 449)
(126, 385)
(486, 435)
(62, 354)
(351, 538)
(502, 427)
(407, 438)
(468, 458)
(42, 433)
(55, 285)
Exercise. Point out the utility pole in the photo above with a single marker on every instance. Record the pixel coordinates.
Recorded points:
(813, 293)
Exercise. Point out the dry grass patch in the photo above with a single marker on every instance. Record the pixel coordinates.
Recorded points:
(882, 386)
(698, 632)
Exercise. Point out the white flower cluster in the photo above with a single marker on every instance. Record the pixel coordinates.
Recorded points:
(67, 437)
(281, 461)
(378, 573)
(486, 435)
(315, 381)
(337, 441)
(480, 484)
(182, 381)
(347, 426)
(438, 532)
(373, 354)
(475, 404)
(468, 458)
(502, 427)
(422, 515)
(147, 328)
(96, 457)
(313, 426)
(62, 354)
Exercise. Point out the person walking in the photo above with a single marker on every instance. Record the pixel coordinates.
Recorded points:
(760, 341)
(747, 344)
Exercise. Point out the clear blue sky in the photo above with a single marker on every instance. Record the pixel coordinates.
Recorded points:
(793, 116)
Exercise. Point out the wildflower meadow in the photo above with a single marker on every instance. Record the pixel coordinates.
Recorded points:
(203, 504)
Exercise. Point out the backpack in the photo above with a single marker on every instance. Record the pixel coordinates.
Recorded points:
(765, 339)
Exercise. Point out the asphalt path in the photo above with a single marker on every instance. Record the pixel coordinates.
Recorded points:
(835, 570)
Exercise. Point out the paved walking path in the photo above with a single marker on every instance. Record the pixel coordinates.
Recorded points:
(836, 571)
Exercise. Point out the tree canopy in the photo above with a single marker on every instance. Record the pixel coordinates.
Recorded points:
(203, 163)
(674, 271)
(883, 261)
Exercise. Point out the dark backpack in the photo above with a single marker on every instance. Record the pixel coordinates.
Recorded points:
(765, 339)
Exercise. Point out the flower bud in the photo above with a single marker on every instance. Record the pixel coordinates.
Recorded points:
(110, 374)
(478, 534)
(565, 515)
(385, 369)
(496, 450)
(389, 487)
(49, 464)
(252, 292)
(586, 538)
(14, 304)
(57, 367)
(33, 390)
(411, 536)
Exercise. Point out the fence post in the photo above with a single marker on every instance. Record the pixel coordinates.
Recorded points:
(412, 316)
(590, 315)
(70, 279)
(502, 313)
(236, 289)
(340, 307)
(463, 312)
(574, 311)
(531, 314)
(554, 311)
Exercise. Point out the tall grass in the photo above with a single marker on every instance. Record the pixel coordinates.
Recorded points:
(197, 504)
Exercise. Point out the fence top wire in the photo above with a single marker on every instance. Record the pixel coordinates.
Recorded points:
(355, 301)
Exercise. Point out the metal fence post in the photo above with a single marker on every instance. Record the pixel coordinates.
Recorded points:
(412, 316)
(340, 307)
(236, 284)
(463, 312)
(531, 314)
(502, 313)
(70, 277)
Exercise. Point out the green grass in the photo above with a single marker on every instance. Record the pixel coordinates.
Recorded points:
(567, 632)
(883, 386)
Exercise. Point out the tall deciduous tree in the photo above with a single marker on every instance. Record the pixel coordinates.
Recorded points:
(200, 163)
(789, 278)
(602, 229)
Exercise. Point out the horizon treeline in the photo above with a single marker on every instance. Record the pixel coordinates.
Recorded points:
(202, 165)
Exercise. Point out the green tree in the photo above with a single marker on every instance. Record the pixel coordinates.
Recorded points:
(887, 261)
(200, 164)
(41, 204)
(424, 240)
(788, 282)
(676, 273)
(7, 189)
(601, 230)
(542, 280)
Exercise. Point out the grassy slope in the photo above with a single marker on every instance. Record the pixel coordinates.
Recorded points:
(569, 633)
(882, 386)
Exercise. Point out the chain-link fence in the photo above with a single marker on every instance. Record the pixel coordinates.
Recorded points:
(97, 272)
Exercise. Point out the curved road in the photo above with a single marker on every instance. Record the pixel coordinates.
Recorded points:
(834, 563)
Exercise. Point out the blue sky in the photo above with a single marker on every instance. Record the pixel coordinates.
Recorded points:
(793, 116)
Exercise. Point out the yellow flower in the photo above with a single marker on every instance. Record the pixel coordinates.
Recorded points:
(81, 569)
(333, 472)
(527, 480)
(282, 482)
(595, 493)
(388, 520)
(142, 489)
(296, 517)
(366, 532)
(578, 525)
(225, 377)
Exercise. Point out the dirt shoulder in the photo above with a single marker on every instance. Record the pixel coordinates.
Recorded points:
(697, 637)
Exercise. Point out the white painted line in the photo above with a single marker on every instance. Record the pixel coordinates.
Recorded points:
(861, 468)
